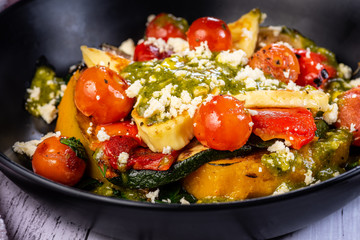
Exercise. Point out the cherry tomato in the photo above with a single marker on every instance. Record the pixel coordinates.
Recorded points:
(147, 52)
(222, 123)
(145, 159)
(349, 115)
(314, 69)
(120, 129)
(167, 26)
(58, 162)
(213, 30)
(100, 93)
(278, 61)
(295, 125)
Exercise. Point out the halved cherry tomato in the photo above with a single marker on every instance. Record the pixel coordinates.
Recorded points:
(100, 93)
(120, 128)
(58, 162)
(147, 52)
(222, 123)
(213, 30)
(167, 26)
(295, 125)
(349, 115)
(145, 159)
(278, 61)
(314, 69)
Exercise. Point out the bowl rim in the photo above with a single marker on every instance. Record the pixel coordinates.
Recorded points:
(85, 195)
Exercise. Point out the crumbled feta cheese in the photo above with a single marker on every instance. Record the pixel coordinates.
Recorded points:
(233, 59)
(287, 73)
(282, 188)
(166, 150)
(336, 174)
(153, 195)
(307, 55)
(89, 130)
(253, 112)
(128, 47)
(285, 44)
(150, 18)
(159, 43)
(251, 124)
(292, 86)
(178, 45)
(276, 30)
(28, 148)
(330, 116)
(260, 169)
(263, 16)
(345, 70)
(134, 89)
(97, 97)
(280, 148)
(318, 66)
(184, 201)
(102, 135)
(122, 159)
(308, 177)
(352, 127)
(34, 93)
(48, 111)
(166, 200)
(354, 83)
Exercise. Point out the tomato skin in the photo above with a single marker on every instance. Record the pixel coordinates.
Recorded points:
(295, 125)
(349, 105)
(145, 159)
(167, 26)
(213, 30)
(100, 93)
(222, 123)
(58, 162)
(146, 52)
(312, 69)
(278, 61)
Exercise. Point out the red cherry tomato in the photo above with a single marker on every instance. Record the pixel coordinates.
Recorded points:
(145, 159)
(349, 115)
(147, 52)
(222, 123)
(278, 61)
(58, 162)
(100, 93)
(167, 26)
(314, 69)
(213, 30)
(295, 125)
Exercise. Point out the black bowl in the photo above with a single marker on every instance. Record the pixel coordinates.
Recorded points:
(56, 29)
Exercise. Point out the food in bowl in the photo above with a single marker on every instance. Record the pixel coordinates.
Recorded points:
(209, 112)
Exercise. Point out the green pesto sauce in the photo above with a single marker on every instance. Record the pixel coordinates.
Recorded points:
(199, 78)
(50, 88)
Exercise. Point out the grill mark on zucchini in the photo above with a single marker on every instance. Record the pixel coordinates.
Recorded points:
(153, 179)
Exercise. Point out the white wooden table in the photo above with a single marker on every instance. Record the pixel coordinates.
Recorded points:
(25, 218)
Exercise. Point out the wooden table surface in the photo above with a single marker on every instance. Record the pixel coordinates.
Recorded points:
(26, 218)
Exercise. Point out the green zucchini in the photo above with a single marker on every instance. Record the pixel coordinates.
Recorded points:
(152, 179)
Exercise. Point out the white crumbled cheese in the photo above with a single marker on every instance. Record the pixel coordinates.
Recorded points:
(292, 86)
(285, 44)
(128, 47)
(307, 55)
(28, 148)
(260, 169)
(153, 195)
(178, 45)
(166, 150)
(248, 75)
(200, 52)
(253, 112)
(89, 130)
(293, 169)
(34, 93)
(345, 70)
(354, 83)
(282, 188)
(159, 43)
(353, 96)
(318, 66)
(48, 111)
(276, 30)
(134, 89)
(280, 148)
(287, 73)
(150, 18)
(102, 135)
(98, 97)
(331, 115)
(166, 200)
(352, 127)
(308, 177)
(262, 44)
(122, 159)
(233, 59)
(245, 33)
(336, 174)
(181, 73)
(251, 124)
(62, 89)
(184, 201)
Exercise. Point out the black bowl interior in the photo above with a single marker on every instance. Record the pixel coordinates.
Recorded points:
(56, 29)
